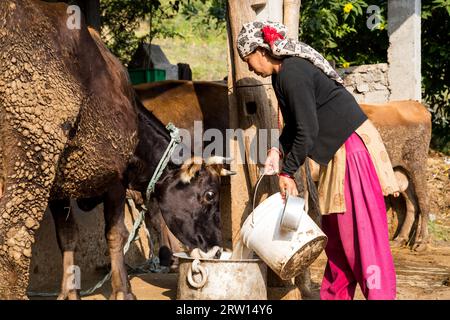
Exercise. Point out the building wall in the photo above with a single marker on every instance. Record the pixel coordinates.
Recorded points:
(367, 83)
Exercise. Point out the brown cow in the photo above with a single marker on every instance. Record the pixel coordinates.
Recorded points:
(405, 127)
(183, 102)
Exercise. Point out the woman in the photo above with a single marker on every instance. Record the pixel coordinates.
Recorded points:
(325, 123)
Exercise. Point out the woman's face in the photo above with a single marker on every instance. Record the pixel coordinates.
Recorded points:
(260, 63)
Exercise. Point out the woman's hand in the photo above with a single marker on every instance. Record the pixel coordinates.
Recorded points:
(287, 185)
(272, 165)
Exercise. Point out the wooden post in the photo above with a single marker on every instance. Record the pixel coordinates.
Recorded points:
(253, 106)
(291, 17)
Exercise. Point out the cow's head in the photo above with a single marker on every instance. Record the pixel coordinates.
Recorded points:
(188, 198)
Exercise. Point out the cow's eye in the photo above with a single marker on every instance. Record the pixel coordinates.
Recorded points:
(210, 195)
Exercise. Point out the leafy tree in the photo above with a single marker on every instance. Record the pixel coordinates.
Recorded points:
(121, 19)
(342, 35)
(436, 68)
(338, 29)
(215, 10)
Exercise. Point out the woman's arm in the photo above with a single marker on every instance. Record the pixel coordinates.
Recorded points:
(297, 87)
(286, 138)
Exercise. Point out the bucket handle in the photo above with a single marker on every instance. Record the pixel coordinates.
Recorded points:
(255, 193)
(197, 268)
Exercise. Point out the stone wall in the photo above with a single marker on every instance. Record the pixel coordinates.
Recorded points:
(367, 83)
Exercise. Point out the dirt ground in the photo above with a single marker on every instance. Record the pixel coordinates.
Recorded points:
(420, 276)
(439, 191)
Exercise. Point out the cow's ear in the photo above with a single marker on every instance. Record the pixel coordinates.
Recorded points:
(190, 169)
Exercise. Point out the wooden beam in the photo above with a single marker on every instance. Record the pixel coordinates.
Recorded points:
(253, 106)
(291, 17)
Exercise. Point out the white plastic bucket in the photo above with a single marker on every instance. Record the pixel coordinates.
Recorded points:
(287, 252)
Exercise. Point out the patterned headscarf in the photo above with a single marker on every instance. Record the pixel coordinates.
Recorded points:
(272, 36)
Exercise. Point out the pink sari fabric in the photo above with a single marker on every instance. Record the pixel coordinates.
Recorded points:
(358, 241)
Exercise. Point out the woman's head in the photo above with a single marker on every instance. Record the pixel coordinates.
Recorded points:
(255, 42)
(261, 62)
(262, 45)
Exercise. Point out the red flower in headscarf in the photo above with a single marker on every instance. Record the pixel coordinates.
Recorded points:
(271, 35)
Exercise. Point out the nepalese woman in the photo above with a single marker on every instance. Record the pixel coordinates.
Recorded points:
(323, 121)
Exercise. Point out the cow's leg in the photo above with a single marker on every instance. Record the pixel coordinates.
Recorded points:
(411, 208)
(21, 210)
(29, 175)
(420, 187)
(67, 236)
(407, 191)
(304, 284)
(116, 236)
(168, 243)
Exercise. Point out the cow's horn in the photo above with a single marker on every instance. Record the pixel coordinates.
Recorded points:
(217, 160)
(224, 172)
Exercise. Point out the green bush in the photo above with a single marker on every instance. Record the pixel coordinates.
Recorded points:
(122, 18)
(338, 29)
(436, 68)
(344, 38)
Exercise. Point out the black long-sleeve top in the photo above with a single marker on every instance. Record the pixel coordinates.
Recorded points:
(319, 113)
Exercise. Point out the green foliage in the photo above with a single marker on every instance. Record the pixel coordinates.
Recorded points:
(436, 68)
(121, 18)
(209, 13)
(122, 21)
(338, 29)
(202, 41)
(345, 38)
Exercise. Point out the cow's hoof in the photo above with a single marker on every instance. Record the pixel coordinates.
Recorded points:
(398, 242)
(122, 296)
(420, 247)
(69, 295)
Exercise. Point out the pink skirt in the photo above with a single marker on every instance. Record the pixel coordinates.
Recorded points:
(358, 241)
